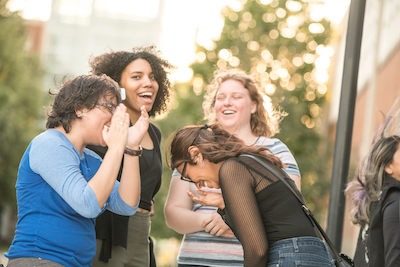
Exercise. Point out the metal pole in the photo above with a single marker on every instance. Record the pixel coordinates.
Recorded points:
(344, 128)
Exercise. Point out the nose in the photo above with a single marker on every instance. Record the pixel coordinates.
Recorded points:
(227, 101)
(147, 81)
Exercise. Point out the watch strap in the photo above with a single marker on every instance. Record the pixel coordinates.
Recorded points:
(134, 152)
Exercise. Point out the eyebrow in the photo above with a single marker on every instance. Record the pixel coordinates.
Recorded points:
(140, 72)
(232, 93)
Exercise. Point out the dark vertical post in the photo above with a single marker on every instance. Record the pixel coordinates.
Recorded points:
(344, 128)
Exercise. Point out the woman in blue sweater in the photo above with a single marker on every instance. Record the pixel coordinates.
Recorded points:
(62, 186)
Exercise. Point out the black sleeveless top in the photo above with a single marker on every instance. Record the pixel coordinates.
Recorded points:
(259, 208)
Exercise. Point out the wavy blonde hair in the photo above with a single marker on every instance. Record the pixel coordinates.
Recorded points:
(265, 121)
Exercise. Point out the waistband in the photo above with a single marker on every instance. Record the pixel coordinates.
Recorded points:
(298, 241)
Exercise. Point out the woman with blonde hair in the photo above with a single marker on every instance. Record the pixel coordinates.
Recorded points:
(234, 100)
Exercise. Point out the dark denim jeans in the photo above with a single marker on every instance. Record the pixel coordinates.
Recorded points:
(299, 251)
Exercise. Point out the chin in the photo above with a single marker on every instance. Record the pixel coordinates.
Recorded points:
(149, 107)
(102, 143)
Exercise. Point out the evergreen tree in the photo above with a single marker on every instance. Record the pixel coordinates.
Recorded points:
(20, 98)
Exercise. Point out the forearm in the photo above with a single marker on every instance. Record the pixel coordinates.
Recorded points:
(129, 188)
(103, 181)
(184, 221)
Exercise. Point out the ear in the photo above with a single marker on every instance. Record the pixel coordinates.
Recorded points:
(195, 153)
(79, 112)
(254, 107)
(389, 169)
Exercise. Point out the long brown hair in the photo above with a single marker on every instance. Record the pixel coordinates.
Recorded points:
(214, 143)
(367, 183)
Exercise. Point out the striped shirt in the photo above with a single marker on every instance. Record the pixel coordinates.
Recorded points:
(202, 248)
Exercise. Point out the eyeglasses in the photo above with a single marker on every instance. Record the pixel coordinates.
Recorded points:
(183, 178)
(110, 107)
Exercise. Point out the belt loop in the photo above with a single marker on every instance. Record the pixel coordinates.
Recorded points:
(296, 247)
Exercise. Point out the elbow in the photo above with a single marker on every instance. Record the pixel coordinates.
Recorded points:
(130, 212)
(90, 209)
(176, 226)
(171, 223)
(90, 213)
(167, 222)
(168, 219)
(177, 229)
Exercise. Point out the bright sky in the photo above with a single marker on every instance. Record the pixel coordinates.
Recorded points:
(185, 21)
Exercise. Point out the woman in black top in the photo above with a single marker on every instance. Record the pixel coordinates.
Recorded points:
(124, 241)
(263, 214)
(375, 195)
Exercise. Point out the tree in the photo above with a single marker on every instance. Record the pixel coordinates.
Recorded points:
(289, 52)
(21, 96)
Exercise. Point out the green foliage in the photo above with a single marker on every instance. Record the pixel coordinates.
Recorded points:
(279, 42)
(20, 98)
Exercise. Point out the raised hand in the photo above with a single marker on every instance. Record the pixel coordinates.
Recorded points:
(208, 198)
(117, 133)
(137, 131)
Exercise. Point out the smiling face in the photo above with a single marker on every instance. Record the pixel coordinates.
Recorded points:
(202, 174)
(95, 119)
(140, 85)
(233, 105)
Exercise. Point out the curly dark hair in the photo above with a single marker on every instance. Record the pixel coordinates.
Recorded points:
(83, 91)
(113, 64)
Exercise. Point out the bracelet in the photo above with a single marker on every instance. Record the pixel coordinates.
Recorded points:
(133, 152)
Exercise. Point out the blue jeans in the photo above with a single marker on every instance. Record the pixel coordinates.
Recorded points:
(299, 251)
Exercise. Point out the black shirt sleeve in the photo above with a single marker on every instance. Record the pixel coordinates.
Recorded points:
(242, 212)
(391, 229)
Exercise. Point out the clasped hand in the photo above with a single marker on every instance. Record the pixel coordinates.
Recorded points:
(214, 224)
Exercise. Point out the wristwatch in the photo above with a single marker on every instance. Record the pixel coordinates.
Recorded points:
(133, 152)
